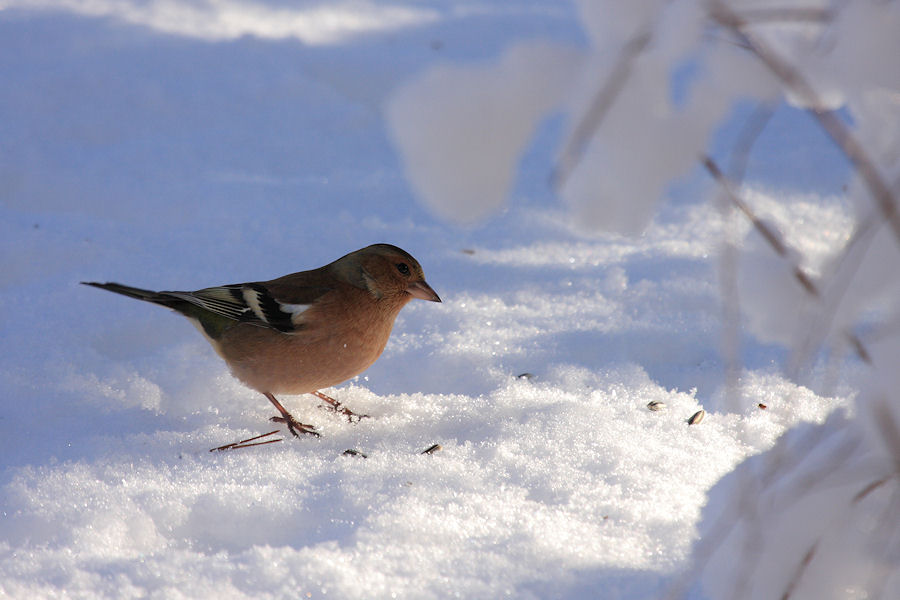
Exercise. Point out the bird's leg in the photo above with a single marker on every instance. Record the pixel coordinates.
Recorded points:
(293, 424)
(335, 406)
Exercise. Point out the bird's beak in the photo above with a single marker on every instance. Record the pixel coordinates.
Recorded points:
(422, 291)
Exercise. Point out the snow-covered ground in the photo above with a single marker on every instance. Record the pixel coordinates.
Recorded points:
(179, 145)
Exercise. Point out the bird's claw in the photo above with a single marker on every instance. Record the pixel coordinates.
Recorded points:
(352, 417)
(294, 426)
(334, 406)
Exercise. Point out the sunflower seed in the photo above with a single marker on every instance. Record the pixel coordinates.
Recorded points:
(656, 405)
(696, 417)
(432, 449)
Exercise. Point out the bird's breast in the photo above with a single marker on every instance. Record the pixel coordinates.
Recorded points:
(312, 358)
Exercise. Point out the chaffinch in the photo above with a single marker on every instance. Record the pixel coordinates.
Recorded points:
(305, 331)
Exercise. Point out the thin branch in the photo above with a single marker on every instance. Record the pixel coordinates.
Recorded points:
(801, 568)
(869, 489)
(249, 442)
(836, 288)
(761, 227)
(859, 348)
(828, 119)
(831, 123)
(589, 124)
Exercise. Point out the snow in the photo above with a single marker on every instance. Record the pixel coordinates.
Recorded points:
(821, 480)
(437, 119)
(177, 144)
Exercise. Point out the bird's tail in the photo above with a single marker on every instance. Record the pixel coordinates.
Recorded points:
(132, 292)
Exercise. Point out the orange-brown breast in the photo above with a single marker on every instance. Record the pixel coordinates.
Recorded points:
(341, 336)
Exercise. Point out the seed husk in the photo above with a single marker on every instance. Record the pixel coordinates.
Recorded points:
(696, 417)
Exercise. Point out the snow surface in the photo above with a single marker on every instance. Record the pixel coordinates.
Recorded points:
(185, 144)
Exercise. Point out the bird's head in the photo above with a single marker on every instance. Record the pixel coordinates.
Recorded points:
(386, 271)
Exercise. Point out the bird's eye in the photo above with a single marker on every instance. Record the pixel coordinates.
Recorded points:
(403, 268)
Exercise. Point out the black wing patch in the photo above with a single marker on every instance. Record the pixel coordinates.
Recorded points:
(267, 308)
(247, 303)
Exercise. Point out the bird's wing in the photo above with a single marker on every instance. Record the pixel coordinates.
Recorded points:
(254, 303)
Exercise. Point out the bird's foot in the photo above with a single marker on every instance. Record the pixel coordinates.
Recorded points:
(248, 442)
(334, 406)
(295, 426)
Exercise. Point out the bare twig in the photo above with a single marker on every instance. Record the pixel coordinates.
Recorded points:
(828, 119)
(859, 347)
(886, 204)
(245, 444)
(775, 242)
(830, 122)
(761, 227)
(589, 124)
(869, 489)
(801, 568)
(835, 288)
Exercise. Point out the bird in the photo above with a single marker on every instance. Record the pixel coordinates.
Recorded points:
(305, 331)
